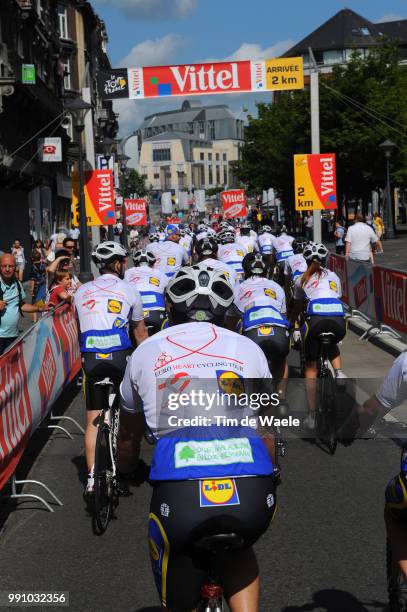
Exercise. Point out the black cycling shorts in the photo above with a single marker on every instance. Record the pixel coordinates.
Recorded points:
(274, 342)
(182, 512)
(155, 321)
(96, 368)
(316, 325)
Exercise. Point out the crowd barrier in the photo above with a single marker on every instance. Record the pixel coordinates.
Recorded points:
(378, 292)
(33, 373)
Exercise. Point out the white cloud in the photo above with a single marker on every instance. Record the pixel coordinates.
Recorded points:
(390, 17)
(153, 9)
(254, 51)
(153, 52)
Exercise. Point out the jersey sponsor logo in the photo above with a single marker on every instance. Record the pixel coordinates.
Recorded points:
(162, 360)
(240, 253)
(218, 493)
(171, 261)
(101, 342)
(333, 286)
(230, 382)
(90, 304)
(270, 293)
(104, 356)
(265, 330)
(145, 313)
(119, 322)
(204, 453)
(114, 306)
(154, 281)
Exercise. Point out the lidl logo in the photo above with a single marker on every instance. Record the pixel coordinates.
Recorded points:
(104, 356)
(145, 313)
(218, 492)
(265, 330)
(240, 253)
(119, 322)
(171, 261)
(114, 306)
(270, 293)
(230, 382)
(334, 286)
(154, 281)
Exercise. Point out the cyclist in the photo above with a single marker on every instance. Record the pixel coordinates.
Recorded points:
(260, 303)
(206, 250)
(110, 318)
(265, 240)
(151, 284)
(169, 255)
(320, 289)
(246, 239)
(231, 253)
(282, 249)
(186, 241)
(294, 265)
(186, 502)
(201, 231)
(154, 237)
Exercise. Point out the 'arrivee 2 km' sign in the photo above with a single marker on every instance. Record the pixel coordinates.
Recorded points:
(315, 182)
(202, 79)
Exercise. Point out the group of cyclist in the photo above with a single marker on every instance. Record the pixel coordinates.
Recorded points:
(213, 305)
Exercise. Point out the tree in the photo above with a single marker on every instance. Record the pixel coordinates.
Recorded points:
(135, 184)
(361, 104)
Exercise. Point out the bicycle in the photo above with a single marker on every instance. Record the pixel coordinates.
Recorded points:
(325, 413)
(106, 496)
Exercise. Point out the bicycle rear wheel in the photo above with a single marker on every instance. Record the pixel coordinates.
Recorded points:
(325, 417)
(103, 475)
(396, 584)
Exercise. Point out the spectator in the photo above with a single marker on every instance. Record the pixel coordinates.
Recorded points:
(38, 280)
(64, 261)
(40, 248)
(378, 227)
(308, 226)
(359, 241)
(60, 288)
(12, 302)
(339, 234)
(103, 233)
(74, 234)
(18, 252)
(117, 230)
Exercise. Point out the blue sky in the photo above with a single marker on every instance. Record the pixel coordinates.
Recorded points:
(161, 32)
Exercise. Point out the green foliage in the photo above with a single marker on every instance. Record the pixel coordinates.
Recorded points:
(136, 184)
(283, 128)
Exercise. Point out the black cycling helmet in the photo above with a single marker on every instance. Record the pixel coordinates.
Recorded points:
(299, 245)
(245, 228)
(206, 246)
(255, 264)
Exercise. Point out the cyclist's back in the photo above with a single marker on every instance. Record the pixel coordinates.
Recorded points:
(169, 255)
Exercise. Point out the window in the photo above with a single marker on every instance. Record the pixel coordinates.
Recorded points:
(217, 156)
(218, 175)
(211, 130)
(333, 57)
(63, 22)
(209, 156)
(225, 157)
(361, 32)
(202, 130)
(191, 128)
(160, 155)
(210, 175)
(67, 75)
(202, 156)
(156, 175)
(202, 175)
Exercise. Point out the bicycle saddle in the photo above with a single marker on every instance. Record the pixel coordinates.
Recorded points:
(326, 337)
(221, 542)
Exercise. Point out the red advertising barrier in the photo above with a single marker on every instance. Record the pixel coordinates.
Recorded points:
(390, 294)
(234, 204)
(337, 264)
(32, 375)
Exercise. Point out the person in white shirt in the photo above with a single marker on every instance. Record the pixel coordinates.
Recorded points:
(282, 249)
(231, 253)
(359, 241)
(294, 266)
(247, 240)
(169, 255)
(206, 249)
(265, 240)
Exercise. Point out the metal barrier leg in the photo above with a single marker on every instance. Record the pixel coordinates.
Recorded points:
(61, 428)
(15, 495)
(67, 418)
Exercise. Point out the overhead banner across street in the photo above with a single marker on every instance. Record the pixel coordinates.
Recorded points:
(315, 182)
(203, 79)
(234, 203)
(99, 197)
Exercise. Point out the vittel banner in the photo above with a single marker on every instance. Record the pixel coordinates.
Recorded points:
(136, 213)
(390, 293)
(234, 203)
(206, 78)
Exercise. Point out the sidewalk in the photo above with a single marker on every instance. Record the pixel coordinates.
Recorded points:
(395, 253)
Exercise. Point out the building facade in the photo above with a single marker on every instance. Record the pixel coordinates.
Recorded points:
(49, 52)
(192, 147)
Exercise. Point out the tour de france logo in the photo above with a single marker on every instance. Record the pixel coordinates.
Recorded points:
(218, 492)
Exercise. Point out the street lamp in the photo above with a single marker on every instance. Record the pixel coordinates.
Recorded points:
(388, 147)
(122, 160)
(108, 147)
(78, 108)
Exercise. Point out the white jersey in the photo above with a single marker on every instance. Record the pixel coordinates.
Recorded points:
(295, 265)
(150, 283)
(186, 242)
(223, 266)
(178, 355)
(393, 391)
(259, 292)
(249, 243)
(233, 255)
(322, 292)
(170, 256)
(265, 242)
(282, 246)
(201, 235)
(162, 236)
(104, 307)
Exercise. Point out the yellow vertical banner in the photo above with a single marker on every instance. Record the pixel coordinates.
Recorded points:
(99, 197)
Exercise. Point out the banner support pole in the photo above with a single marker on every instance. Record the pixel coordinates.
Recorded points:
(315, 133)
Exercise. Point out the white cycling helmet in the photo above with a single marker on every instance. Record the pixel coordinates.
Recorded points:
(315, 251)
(107, 252)
(265, 229)
(144, 258)
(200, 293)
(227, 236)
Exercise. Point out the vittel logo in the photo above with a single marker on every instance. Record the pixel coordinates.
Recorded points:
(207, 77)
